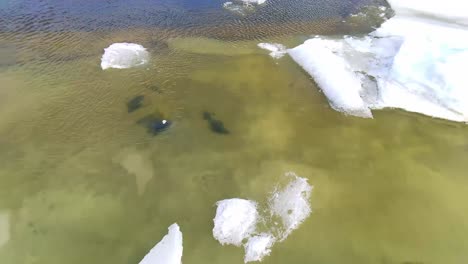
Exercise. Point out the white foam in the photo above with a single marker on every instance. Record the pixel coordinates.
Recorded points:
(4, 227)
(414, 61)
(168, 250)
(291, 204)
(235, 221)
(276, 50)
(258, 247)
(123, 56)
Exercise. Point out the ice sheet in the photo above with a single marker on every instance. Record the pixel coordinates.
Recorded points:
(123, 56)
(332, 73)
(168, 250)
(414, 61)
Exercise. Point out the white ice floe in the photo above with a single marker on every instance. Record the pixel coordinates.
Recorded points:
(235, 221)
(123, 56)
(242, 7)
(276, 50)
(291, 204)
(168, 250)
(332, 73)
(256, 2)
(415, 61)
(258, 247)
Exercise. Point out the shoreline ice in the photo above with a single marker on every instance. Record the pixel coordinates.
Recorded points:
(414, 61)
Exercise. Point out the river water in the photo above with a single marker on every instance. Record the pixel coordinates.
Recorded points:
(82, 180)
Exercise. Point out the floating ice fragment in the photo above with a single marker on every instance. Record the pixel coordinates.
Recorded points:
(235, 221)
(276, 50)
(291, 204)
(332, 73)
(257, 2)
(123, 56)
(168, 250)
(258, 247)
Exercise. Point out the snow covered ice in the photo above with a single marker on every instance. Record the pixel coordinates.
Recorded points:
(237, 220)
(123, 56)
(168, 250)
(276, 50)
(258, 247)
(291, 204)
(415, 61)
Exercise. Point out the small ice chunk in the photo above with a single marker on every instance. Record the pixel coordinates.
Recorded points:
(332, 73)
(258, 247)
(123, 56)
(276, 50)
(258, 2)
(235, 221)
(4, 227)
(168, 250)
(291, 203)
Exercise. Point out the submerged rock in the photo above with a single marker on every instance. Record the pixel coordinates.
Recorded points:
(216, 125)
(168, 250)
(135, 103)
(154, 124)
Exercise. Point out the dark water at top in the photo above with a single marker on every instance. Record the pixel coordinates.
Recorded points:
(89, 15)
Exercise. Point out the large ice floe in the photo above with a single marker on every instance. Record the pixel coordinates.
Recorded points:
(168, 250)
(123, 56)
(240, 222)
(415, 61)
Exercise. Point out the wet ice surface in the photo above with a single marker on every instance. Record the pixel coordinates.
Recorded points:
(168, 250)
(276, 50)
(237, 221)
(414, 60)
(258, 247)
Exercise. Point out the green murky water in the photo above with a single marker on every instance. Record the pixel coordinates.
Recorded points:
(82, 182)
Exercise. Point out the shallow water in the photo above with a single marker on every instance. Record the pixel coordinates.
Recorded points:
(81, 181)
